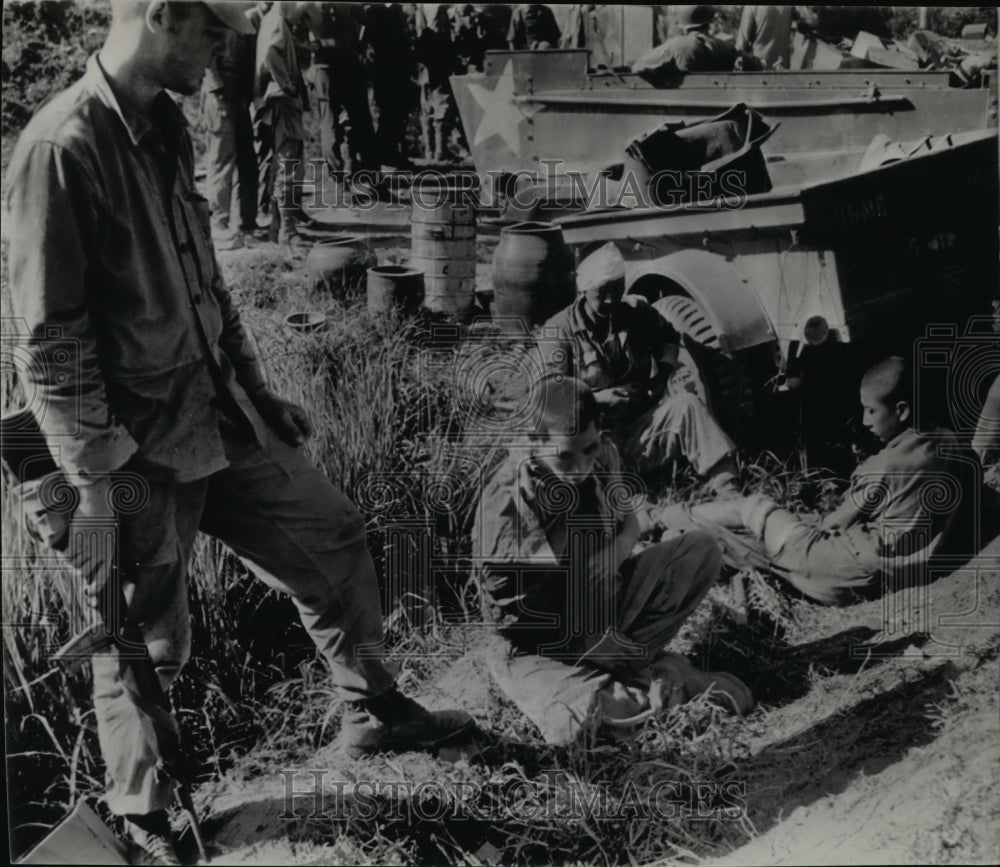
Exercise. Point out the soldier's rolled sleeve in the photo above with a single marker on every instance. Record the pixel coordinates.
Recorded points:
(51, 221)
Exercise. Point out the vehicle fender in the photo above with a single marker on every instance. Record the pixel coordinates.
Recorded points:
(723, 291)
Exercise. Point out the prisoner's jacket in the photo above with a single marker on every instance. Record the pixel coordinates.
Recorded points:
(132, 345)
(520, 574)
(913, 505)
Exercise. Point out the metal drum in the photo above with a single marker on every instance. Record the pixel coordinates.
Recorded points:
(444, 248)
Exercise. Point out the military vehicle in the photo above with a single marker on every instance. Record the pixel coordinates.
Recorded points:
(542, 113)
(878, 255)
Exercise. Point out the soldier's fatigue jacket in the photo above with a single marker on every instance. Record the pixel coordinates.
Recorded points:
(338, 28)
(134, 344)
(277, 75)
(231, 72)
(521, 546)
(639, 340)
(914, 501)
(766, 32)
(692, 52)
(532, 24)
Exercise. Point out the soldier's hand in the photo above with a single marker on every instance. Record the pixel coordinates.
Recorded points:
(46, 505)
(288, 420)
(614, 397)
(613, 402)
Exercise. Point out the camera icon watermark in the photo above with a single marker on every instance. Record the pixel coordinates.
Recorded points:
(48, 365)
(959, 367)
(86, 550)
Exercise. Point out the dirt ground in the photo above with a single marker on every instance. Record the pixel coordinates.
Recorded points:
(891, 756)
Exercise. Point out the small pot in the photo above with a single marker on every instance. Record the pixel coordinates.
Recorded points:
(305, 322)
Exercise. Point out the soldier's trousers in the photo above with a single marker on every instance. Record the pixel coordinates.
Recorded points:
(680, 426)
(392, 93)
(229, 156)
(280, 138)
(659, 589)
(296, 532)
(340, 83)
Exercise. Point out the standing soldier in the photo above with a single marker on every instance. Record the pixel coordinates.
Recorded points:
(160, 391)
(227, 93)
(339, 78)
(436, 55)
(261, 147)
(279, 101)
(471, 39)
(766, 32)
(390, 51)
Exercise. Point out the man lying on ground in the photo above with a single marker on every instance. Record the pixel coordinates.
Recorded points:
(913, 502)
(625, 351)
(581, 622)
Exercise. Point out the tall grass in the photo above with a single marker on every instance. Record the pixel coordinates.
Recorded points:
(385, 432)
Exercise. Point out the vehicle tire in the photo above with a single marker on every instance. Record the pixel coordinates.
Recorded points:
(725, 385)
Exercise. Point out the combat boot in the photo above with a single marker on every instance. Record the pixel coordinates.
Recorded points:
(288, 233)
(393, 722)
(152, 836)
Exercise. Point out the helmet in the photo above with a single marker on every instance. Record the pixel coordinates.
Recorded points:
(690, 17)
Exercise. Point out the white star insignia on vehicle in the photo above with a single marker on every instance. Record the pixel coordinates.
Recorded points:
(501, 116)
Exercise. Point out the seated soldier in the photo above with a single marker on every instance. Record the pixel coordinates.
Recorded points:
(625, 351)
(580, 621)
(695, 50)
(914, 501)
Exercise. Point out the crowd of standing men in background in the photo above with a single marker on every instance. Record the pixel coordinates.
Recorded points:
(363, 69)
